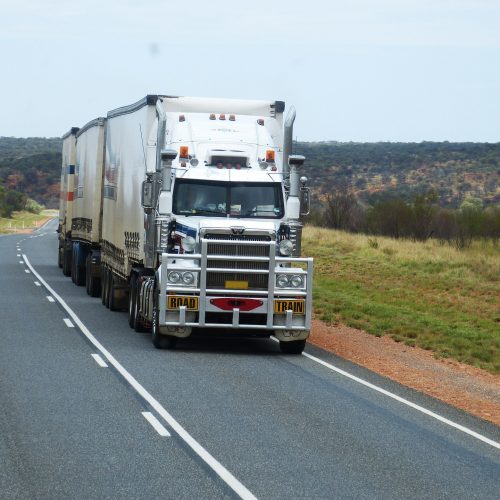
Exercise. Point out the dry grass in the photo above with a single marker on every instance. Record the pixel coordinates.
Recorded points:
(21, 221)
(424, 294)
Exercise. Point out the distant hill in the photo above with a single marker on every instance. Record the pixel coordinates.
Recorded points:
(375, 171)
(387, 170)
(32, 166)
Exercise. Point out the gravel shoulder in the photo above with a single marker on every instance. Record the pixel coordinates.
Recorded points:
(463, 386)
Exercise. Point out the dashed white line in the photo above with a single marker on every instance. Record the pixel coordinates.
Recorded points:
(156, 424)
(21, 262)
(99, 361)
(37, 283)
(50, 299)
(68, 322)
(27, 271)
(19, 255)
(239, 488)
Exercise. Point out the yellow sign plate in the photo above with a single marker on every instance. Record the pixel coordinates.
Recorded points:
(176, 301)
(296, 306)
(236, 285)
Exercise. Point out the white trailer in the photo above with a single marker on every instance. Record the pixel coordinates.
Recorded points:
(66, 200)
(201, 205)
(87, 205)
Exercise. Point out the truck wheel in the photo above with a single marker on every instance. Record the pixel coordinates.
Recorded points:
(88, 274)
(139, 324)
(113, 303)
(60, 257)
(132, 297)
(293, 347)
(104, 289)
(66, 261)
(95, 286)
(160, 341)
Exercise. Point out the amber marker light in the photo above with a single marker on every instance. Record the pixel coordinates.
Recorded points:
(270, 156)
(184, 152)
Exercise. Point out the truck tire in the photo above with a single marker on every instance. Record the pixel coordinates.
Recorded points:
(292, 347)
(139, 325)
(92, 283)
(160, 341)
(104, 288)
(112, 301)
(88, 274)
(132, 297)
(67, 253)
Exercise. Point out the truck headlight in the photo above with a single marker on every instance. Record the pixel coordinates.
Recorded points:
(285, 247)
(188, 244)
(188, 278)
(296, 281)
(282, 280)
(174, 277)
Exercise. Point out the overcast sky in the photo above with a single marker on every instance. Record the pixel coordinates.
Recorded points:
(355, 70)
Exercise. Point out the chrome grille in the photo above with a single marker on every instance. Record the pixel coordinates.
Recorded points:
(246, 249)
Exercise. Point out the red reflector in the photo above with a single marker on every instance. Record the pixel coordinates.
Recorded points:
(71, 196)
(228, 304)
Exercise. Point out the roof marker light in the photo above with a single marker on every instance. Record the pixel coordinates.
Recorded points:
(182, 118)
(232, 118)
(212, 116)
(260, 121)
(222, 116)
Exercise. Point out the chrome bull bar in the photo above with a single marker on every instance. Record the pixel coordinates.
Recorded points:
(198, 264)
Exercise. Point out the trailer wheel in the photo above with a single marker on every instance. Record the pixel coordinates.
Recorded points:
(87, 274)
(73, 264)
(160, 341)
(293, 347)
(104, 289)
(132, 298)
(66, 269)
(80, 274)
(60, 257)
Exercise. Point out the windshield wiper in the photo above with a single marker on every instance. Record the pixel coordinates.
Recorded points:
(254, 212)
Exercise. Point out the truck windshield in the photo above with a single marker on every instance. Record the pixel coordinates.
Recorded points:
(223, 199)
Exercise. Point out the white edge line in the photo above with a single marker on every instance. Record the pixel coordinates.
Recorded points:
(68, 322)
(156, 424)
(213, 463)
(404, 401)
(99, 361)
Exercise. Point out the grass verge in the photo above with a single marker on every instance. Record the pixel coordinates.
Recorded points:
(22, 221)
(422, 294)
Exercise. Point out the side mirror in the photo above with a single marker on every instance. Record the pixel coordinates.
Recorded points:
(147, 195)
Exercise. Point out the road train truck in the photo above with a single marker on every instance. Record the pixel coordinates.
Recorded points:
(187, 212)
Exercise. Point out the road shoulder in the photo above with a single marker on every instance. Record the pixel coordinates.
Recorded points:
(463, 386)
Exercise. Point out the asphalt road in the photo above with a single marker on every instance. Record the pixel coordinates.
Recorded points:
(231, 417)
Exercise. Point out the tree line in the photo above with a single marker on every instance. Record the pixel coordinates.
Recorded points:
(420, 219)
